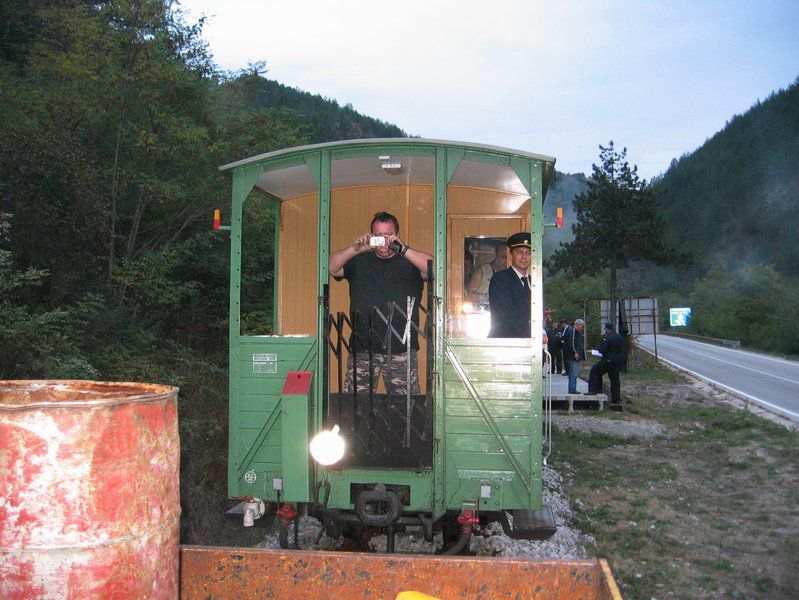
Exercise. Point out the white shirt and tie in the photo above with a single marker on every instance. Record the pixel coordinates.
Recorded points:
(524, 278)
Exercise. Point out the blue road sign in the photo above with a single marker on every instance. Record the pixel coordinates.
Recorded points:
(679, 317)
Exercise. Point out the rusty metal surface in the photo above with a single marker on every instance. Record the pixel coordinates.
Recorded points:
(243, 573)
(89, 474)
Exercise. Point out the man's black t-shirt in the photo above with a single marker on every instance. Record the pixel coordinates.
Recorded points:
(376, 281)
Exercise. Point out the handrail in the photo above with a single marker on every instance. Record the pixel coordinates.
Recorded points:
(705, 338)
(548, 404)
(338, 341)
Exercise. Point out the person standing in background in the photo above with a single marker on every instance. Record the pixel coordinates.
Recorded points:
(564, 326)
(614, 356)
(575, 349)
(481, 275)
(554, 347)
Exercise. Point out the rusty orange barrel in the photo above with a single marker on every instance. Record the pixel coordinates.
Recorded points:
(89, 490)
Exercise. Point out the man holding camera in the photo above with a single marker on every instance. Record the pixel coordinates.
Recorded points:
(380, 269)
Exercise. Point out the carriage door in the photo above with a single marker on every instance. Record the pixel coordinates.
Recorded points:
(488, 408)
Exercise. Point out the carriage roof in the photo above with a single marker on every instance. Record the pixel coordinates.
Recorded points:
(362, 162)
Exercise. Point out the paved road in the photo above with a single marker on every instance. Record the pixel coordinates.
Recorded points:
(772, 382)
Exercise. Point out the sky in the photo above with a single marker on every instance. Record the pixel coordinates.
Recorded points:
(556, 78)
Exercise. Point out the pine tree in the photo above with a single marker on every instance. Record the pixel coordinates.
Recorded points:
(617, 223)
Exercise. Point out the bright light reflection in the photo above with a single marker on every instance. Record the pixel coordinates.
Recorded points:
(477, 325)
(327, 447)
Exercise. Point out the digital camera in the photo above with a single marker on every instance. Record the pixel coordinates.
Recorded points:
(380, 240)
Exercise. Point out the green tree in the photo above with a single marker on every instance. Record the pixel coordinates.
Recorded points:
(105, 133)
(755, 304)
(36, 343)
(617, 223)
(112, 124)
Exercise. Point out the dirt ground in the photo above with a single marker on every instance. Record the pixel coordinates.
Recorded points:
(686, 493)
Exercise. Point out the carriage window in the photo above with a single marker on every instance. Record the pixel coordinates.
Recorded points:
(482, 257)
(258, 264)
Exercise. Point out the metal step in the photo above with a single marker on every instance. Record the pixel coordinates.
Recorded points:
(528, 524)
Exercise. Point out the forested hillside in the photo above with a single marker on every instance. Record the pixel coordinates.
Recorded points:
(112, 124)
(328, 121)
(740, 190)
(734, 205)
(113, 121)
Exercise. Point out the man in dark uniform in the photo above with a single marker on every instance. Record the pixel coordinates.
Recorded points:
(575, 349)
(381, 269)
(613, 357)
(509, 292)
(553, 346)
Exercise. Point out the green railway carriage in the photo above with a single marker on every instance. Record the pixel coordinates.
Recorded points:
(469, 445)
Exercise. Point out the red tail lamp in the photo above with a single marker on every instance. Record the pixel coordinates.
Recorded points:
(559, 219)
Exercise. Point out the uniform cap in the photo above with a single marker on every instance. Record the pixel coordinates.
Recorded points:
(519, 240)
(608, 326)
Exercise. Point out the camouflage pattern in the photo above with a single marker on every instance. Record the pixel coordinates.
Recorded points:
(396, 372)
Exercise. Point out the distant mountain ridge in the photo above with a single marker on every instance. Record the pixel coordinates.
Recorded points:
(561, 194)
(328, 120)
(735, 200)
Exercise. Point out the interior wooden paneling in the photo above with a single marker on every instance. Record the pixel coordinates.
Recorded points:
(421, 219)
(471, 212)
(476, 201)
(298, 270)
(351, 212)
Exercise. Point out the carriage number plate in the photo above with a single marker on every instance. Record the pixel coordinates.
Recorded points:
(264, 363)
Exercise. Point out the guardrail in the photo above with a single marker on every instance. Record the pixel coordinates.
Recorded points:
(705, 338)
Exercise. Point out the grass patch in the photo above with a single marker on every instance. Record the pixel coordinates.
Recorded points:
(594, 441)
(765, 585)
(643, 368)
(708, 509)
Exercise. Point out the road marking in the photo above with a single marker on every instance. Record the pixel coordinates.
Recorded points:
(793, 416)
(771, 375)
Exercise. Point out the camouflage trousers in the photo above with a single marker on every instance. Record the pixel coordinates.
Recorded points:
(396, 372)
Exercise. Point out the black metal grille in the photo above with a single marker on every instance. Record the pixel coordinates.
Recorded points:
(374, 427)
(387, 430)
